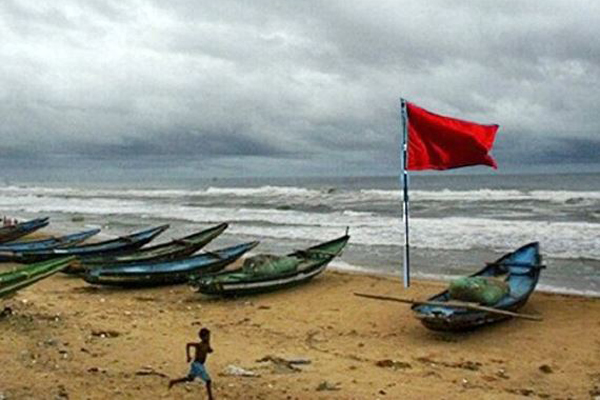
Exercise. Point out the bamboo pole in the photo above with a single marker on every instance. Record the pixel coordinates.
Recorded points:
(469, 306)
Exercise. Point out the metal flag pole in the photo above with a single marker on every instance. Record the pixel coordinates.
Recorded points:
(404, 116)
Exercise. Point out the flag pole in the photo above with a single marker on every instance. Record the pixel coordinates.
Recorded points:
(404, 116)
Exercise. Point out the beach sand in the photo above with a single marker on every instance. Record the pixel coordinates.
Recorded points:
(67, 339)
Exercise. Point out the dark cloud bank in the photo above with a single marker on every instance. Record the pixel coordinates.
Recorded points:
(288, 88)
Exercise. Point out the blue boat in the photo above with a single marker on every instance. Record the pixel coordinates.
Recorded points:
(173, 250)
(168, 272)
(119, 245)
(12, 232)
(50, 243)
(521, 271)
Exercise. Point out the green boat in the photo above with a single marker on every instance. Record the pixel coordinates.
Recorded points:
(11, 281)
(265, 273)
(174, 250)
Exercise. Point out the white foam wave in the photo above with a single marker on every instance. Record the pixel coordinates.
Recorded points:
(555, 196)
(559, 239)
(283, 191)
(299, 193)
(339, 265)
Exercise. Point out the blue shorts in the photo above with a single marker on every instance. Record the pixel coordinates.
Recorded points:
(197, 370)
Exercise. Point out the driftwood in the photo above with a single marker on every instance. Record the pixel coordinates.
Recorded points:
(469, 306)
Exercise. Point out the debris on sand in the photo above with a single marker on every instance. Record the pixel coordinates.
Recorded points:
(147, 370)
(234, 370)
(6, 311)
(285, 365)
(105, 333)
(396, 365)
(324, 385)
(546, 369)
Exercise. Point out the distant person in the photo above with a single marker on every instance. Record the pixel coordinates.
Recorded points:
(197, 368)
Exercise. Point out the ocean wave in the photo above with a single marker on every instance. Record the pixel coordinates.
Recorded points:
(311, 213)
(298, 194)
(555, 196)
(263, 191)
(281, 191)
(559, 239)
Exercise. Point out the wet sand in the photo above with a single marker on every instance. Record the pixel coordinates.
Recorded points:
(68, 339)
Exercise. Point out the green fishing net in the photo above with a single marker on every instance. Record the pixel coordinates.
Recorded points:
(478, 289)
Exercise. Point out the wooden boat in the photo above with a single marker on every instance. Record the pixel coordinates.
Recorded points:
(12, 232)
(49, 243)
(167, 272)
(299, 267)
(173, 250)
(19, 278)
(520, 269)
(119, 245)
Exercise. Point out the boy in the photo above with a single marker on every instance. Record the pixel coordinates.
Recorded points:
(197, 368)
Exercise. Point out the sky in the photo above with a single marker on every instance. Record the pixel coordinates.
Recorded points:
(138, 88)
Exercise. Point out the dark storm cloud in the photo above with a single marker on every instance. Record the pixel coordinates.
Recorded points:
(265, 83)
(183, 144)
(577, 151)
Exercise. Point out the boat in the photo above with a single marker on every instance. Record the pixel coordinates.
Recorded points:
(519, 269)
(173, 250)
(49, 243)
(268, 273)
(119, 245)
(166, 272)
(24, 276)
(12, 232)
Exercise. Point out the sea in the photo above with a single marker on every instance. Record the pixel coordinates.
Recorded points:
(458, 222)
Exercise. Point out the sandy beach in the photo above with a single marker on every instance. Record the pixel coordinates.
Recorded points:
(67, 339)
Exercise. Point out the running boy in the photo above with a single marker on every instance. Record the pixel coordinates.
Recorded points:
(197, 369)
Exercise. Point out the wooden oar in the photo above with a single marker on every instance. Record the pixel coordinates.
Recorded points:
(469, 306)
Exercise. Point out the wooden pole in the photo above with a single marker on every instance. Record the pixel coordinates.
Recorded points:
(469, 306)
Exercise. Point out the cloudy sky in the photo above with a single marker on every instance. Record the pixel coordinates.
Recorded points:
(280, 88)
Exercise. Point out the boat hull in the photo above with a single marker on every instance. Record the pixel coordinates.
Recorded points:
(45, 244)
(173, 250)
(520, 269)
(115, 246)
(315, 260)
(166, 273)
(12, 232)
(12, 281)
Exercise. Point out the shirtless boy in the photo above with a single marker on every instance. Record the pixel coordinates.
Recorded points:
(197, 369)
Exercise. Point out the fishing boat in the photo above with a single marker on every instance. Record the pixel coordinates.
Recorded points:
(519, 269)
(11, 281)
(267, 273)
(12, 232)
(49, 243)
(167, 272)
(173, 250)
(119, 245)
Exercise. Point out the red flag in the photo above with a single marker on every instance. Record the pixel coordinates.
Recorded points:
(438, 142)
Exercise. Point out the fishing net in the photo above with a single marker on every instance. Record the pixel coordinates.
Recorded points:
(268, 264)
(478, 289)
